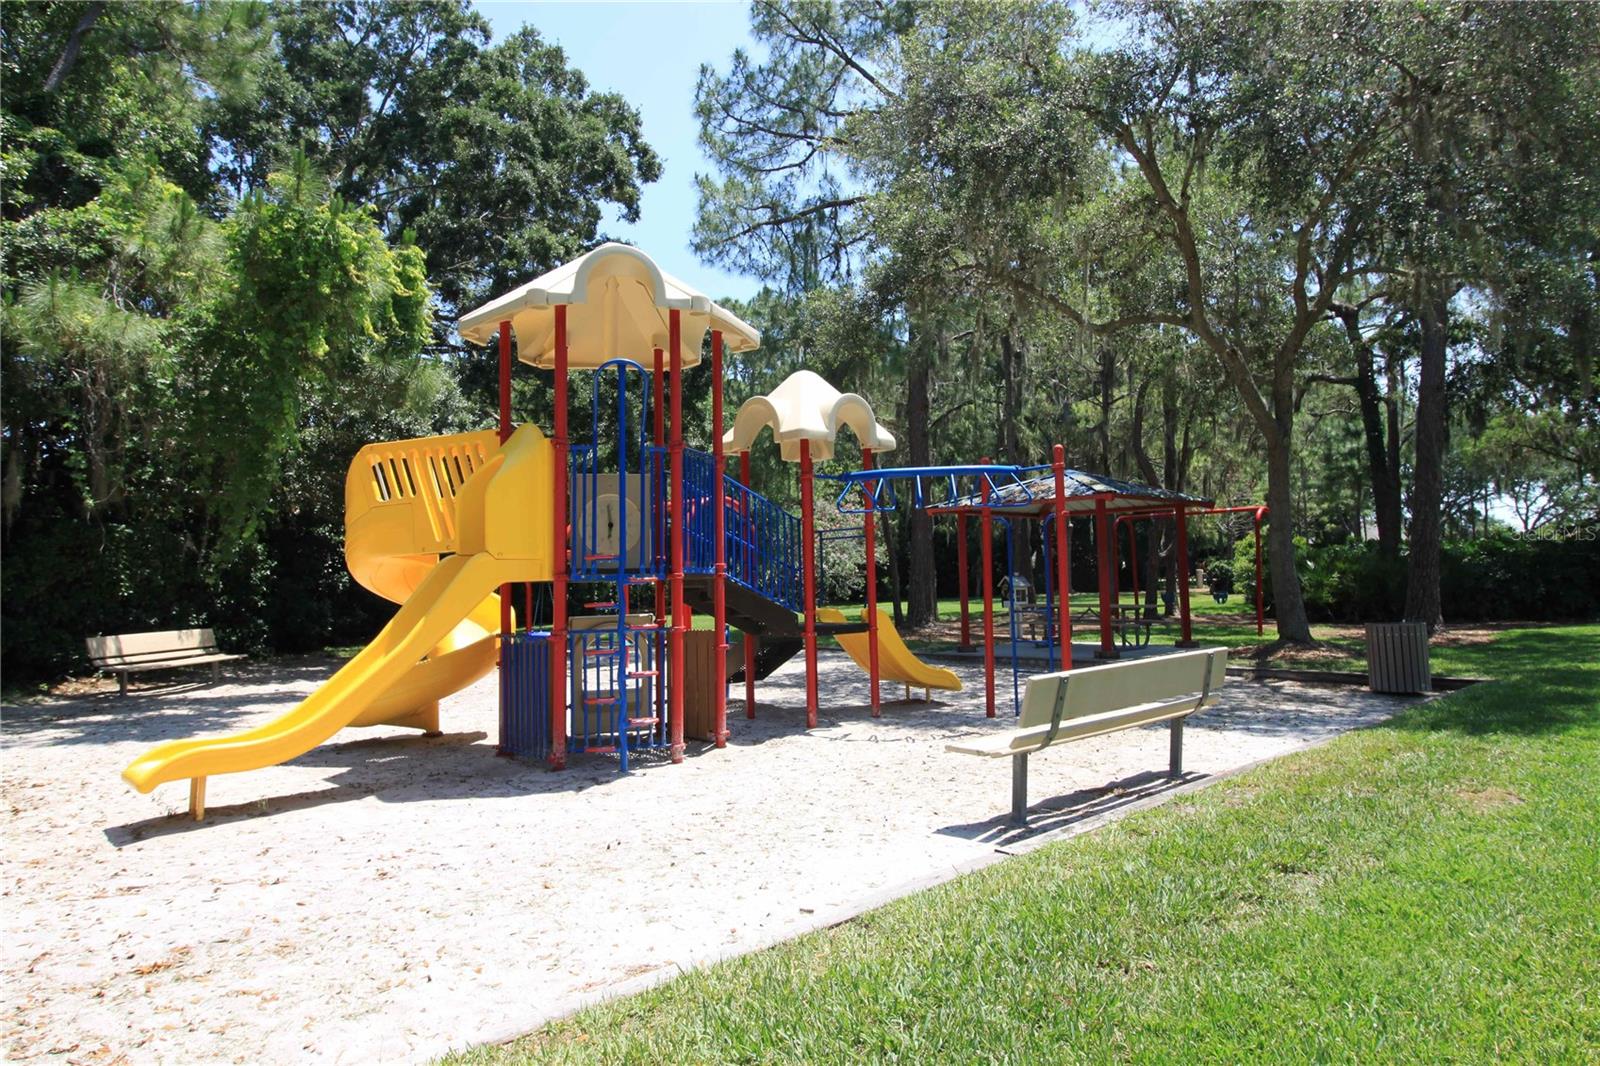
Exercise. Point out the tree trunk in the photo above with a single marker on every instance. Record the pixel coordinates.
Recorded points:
(69, 55)
(1383, 477)
(1288, 600)
(1012, 365)
(1108, 381)
(923, 599)
(1427, 477)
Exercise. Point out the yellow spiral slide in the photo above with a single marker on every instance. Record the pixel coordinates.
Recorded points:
(437, 525)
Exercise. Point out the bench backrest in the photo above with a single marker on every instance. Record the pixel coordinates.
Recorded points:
(1115, 686)
(130, 649)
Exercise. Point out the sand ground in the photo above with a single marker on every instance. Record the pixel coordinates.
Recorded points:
(388, 897)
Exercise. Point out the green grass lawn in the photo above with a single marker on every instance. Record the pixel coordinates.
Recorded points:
(1422, 891)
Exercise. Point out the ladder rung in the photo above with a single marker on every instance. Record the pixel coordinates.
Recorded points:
(607, 750)
(596, 558)
(601, 604)
(599, 701)
(645, 629)
(645, 673)
(592, 652)
(640, 723)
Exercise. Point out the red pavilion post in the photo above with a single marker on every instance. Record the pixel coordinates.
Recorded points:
(749, 638)
(1261, 621)
(871, 532)
(1186, 635)
(558, 548)
(988, 600)
(1102, 546)
(680, 614)
(808, 559)
(1058, 463)
(719, 603)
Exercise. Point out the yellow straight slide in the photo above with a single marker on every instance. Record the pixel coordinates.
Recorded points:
(453, 588)
(895, 661)
(497, 520)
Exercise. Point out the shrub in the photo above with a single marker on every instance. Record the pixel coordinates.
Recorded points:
(1496, 578)
(1219, 579)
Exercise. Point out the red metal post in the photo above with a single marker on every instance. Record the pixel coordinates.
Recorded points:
(1063, 569)
(1102, 546)
(988, 603)
(808, 561)
(1186, 637)
(505, 590)
(505, 435)
(657, 487)
(680, 614)
(749, 638)
(869, 492)
(719, 592)
(1261, 623)
(961, 578)
(558, 593)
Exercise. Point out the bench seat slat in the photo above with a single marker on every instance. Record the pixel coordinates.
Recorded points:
(170, 664)
(177, 654)
(1021, 741)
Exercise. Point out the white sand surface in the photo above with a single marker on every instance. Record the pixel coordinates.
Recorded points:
(387, 897)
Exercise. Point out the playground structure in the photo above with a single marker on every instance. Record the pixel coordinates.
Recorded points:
(624, 533)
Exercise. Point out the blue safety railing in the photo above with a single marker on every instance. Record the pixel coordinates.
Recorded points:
(699, 515)
(763, 545)
(763, 540)
(525, 695)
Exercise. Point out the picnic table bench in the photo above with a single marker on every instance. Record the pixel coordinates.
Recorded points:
(1130, 623)
(167, 649)
(1093, 700)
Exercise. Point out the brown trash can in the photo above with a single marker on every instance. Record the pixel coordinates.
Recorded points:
(1397, 658)
(699, 684)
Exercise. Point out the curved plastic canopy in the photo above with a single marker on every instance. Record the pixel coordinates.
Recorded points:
(618, 302)
(806, 407)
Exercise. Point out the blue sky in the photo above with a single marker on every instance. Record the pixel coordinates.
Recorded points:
(651, 54)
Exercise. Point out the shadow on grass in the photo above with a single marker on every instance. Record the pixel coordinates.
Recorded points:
(1081, 810)
(1549, 682)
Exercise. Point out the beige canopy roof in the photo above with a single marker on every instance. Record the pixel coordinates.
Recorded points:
(618, 300)
(806, 407)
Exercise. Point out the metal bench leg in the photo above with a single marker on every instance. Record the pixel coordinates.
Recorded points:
(122, 683)
(1019, 789)
(1175, 758)
(216, 673)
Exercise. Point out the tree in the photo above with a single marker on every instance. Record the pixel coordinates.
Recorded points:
(498, 159)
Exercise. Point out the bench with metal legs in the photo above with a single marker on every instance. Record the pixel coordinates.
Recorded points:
(1094, 700)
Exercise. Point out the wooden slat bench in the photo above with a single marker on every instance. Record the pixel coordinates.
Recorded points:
(168, 649)
(1092, 700)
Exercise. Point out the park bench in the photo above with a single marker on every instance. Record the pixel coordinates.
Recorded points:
(168, 649)
(1092, 700)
